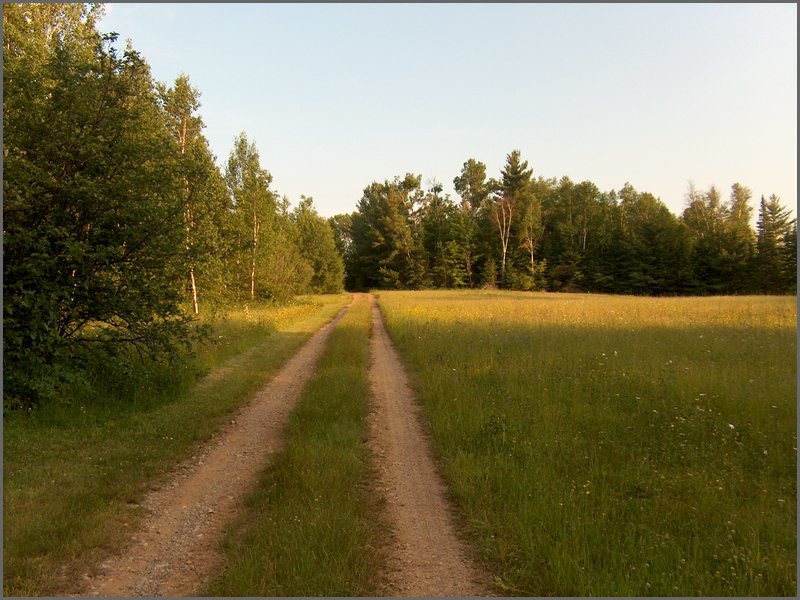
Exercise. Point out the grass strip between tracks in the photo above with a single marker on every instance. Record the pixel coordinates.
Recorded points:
(310, 528)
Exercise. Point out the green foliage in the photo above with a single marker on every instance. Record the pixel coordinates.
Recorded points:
(512, 197)
(207, 209)
(722, 239)
(527, 233)
(118, 225)
(387, 248)
(92, 205)
(653, 249)
(272, 257)
(318, 247)
(254, 210)
(446, 266)
(789, 260)
(471, 186)
(776, 260)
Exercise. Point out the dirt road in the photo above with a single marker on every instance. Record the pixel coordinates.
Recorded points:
(427, 558)
(177, 551)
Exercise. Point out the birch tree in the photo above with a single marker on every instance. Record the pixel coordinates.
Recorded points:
(180, 104)
(514, 190)
(503, 216)
(253, 202)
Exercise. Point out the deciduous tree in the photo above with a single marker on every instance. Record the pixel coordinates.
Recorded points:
(207, 203)
(512, 192)
(318, 247)
(253, 204)
(93, 199)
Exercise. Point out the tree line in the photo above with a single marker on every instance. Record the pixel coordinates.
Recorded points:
(522, 232)
(118, 226)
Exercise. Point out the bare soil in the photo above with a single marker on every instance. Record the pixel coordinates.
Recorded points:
(176, 552)
(426, 556)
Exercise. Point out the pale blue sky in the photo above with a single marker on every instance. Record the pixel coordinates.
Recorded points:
(339, 95)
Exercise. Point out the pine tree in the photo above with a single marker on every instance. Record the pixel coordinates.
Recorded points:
(790, 259)
(471, 186)
(437, 216)
(775, 247)
(386, 237)
(652, 250)
(705, 216)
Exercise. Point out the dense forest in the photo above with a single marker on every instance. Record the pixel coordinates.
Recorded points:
(530, 233)
(119, 227)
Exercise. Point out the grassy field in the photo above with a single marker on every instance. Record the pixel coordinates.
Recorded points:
(72, 473)
(310, 529)
(601, 445)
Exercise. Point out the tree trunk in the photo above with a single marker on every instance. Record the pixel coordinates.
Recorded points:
(195, 304)
(533, 263)
(253, 278)
(189, 220)
(253, 258)
(503, 220)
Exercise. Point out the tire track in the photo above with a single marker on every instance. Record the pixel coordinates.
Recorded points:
(425, 555)
(177, 550)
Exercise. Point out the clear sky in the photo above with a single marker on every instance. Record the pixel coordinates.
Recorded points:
(337, 96)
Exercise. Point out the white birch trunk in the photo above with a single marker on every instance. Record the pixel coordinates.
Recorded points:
(189, 223)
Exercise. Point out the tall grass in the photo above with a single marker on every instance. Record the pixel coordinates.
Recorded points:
(601, 445)
(73, 473)
(310, 529)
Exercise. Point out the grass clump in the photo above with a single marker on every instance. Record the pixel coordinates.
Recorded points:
(310, 528)
(601, 445)
(74, 472)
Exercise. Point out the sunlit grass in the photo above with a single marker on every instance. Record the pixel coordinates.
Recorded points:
(601, 445)
(310, 528)
(74, 473)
